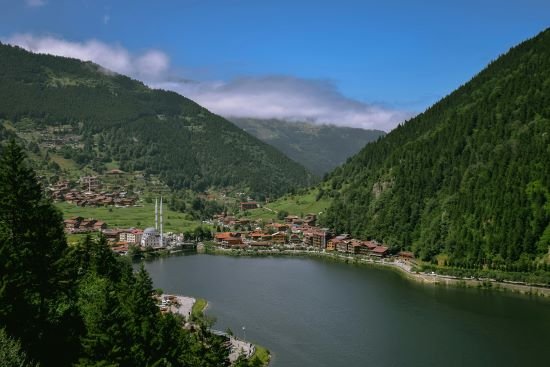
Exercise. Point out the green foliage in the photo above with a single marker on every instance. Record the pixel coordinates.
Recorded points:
(199, 208)
(469, 177)
(198, 308)
(11, 354)
(35, 287)
(282, 214)
(159, 132)
(82, 306)
(319, 148)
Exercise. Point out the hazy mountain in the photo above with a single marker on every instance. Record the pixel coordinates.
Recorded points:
(319, 148)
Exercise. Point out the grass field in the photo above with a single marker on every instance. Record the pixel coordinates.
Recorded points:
(140, 217)
(66, 164)
(262, 354)
(73, 238)
(198, 308)
(293, 204)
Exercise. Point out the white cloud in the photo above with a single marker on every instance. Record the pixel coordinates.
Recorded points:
(282, 97)
(287, 98)
(149, 65)
(35, 3)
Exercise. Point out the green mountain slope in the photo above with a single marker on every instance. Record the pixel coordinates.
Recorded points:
(469, 178)
(319, 148)
(119, 119)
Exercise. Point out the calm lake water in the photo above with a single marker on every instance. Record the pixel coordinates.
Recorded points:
(310, 312)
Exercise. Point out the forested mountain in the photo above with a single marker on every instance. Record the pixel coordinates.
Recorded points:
(319, 148)
(156, 131)
(468, 180)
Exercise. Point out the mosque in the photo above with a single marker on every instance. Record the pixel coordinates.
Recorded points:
(152, 237)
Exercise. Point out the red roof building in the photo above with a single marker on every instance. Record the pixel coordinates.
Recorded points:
(380, 251)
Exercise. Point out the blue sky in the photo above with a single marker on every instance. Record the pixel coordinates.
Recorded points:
(349, 61)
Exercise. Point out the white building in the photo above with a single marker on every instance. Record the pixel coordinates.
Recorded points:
(152, 237)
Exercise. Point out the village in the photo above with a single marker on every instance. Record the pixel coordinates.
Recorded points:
(122, 239)
(88, 192)
(294, 233)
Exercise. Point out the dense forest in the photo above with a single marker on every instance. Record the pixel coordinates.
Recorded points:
(467, 182)
(155, 131)
(81, 305)
(319, 148)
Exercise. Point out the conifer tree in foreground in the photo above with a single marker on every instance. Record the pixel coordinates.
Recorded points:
(84, 305)
(35, 289)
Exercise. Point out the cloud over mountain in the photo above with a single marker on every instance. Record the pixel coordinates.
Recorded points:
(282, 97)
(287, 98)
(149, 65)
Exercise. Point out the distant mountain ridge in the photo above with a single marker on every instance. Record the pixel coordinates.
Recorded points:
(467, 182)
(117, 119)
(319, 148)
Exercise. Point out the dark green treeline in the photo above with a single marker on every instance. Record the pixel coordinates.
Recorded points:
(469, 178)
(84, 305)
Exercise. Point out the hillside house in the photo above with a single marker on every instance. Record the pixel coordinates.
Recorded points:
(112, 235)
(278, 238)
(132, 236)
(100, 225)
(289, 219)
(248, 205)
(87, 224)
(278, 227)
(222, 236)
(73, 222)
(295, 238)
(354, 246)
(90, 183)
(367, 247)
(310, 219)
(233, 242)
(316, 237)
(380, 251)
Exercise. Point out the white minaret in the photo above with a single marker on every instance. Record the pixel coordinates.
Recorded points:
(161, 227)
(156, 215)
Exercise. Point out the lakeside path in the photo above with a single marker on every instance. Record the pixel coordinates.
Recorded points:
(183, 306)
(405, 269)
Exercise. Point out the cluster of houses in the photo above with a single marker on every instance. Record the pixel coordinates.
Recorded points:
(89, 194)
(298, 233)
(57, 137)
(289, 221)
(81, 225)
(249, 205)
(313, 238)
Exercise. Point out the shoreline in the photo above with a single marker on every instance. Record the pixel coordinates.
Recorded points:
(403, 269)
(186, 307)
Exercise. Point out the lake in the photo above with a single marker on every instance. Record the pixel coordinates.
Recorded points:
(311, 312)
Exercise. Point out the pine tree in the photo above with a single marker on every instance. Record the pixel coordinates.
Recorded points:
(34, 287)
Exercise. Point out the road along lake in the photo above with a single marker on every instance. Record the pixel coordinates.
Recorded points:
(311, 312)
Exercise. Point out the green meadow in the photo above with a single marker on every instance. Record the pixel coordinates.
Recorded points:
(135, 216)
(299, 204)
